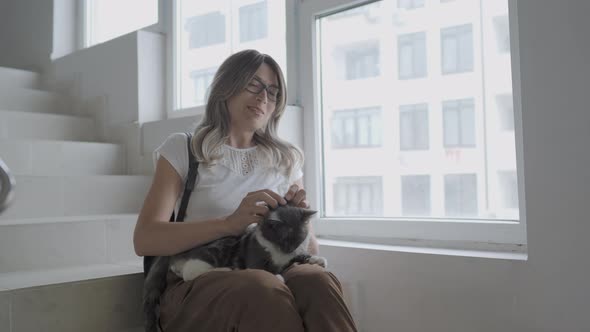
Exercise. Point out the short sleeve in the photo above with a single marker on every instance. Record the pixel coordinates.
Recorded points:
(175, 150)
(296, 174)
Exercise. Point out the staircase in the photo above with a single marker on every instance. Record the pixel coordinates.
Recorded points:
(66, 253)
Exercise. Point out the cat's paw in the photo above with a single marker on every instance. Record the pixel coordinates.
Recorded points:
(194, 268)
(318, 260)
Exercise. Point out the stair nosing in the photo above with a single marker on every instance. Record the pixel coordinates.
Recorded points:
(68, 275)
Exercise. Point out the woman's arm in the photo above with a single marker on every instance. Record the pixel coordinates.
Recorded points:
(297, 194)
(154, 235)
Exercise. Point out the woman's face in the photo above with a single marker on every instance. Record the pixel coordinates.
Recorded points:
(249, 110)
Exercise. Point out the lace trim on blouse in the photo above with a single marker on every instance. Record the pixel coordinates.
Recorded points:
(241, 161)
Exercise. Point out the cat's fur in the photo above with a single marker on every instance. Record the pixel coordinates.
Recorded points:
(273, 245)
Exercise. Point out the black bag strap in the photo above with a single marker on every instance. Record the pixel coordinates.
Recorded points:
(190, 180)
(189, 185)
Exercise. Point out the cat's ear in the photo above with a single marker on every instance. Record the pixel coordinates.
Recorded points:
(307, 213)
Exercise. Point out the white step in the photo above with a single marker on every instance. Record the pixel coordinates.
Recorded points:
(29, 100)
(55, 196)
(90, 299)
(17, 78)
(50, 243)
(43, 157)
(24, 125)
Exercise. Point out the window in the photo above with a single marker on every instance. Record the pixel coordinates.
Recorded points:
(505, 112)
(502, 33)
(459, 123)
(457, 49)
(362, 63)
(438, 158)
(202, 80)
(413, 127)
(206, 30)
(412, 55)
(508, 189)
(253, 22)
(109, 19)
(410, 4)
(355, 196)
(416, 195)
(356, 128)
(461, 195)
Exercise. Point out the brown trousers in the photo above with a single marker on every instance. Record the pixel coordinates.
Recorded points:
(309, 300)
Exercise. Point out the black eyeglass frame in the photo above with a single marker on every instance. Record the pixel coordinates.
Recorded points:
(264, 86)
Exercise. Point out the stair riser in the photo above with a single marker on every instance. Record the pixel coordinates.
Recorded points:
(108, 304)
(65, 244)
(18, 79)
(63, 158)
(20, 125)
(26, 100)
(38, 196)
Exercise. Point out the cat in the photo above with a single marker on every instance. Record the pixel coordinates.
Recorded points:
(281, 240)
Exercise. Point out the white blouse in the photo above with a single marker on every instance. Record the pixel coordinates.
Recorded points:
(220, 189)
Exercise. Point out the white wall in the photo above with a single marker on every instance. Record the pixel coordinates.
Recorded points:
(26, 28)
(397, 291)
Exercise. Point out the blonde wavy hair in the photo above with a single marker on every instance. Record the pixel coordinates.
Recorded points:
(213, 131)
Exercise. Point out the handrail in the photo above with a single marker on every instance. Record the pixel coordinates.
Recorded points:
(7, 184)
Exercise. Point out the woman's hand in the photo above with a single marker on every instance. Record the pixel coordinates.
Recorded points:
(253, 209)
(296, 196)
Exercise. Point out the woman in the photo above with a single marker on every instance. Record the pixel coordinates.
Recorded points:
(244, 169)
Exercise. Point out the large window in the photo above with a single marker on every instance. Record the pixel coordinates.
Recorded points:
(206, 32)
(109, 19)
(445, 145)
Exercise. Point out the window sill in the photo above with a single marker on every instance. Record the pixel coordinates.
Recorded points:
(505, 252)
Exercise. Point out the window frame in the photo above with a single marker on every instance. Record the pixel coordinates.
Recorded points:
(465, 234)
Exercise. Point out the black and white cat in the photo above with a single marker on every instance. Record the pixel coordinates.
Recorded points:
(273, 245)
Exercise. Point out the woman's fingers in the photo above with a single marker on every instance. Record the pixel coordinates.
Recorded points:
(299, 197)
(291, 193)
(267, 196)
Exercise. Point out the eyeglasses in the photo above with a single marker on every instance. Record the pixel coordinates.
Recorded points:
(256, 86)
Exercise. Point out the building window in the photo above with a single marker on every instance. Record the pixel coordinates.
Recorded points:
(202, 80)
(206, 30)
(415, 195)
(461, 195)
(505, 112)
(459, 123)
(410, 4)
(413, 127)
(502, 33)
(457, 49)
(362, 62)
(356, 128)
(253, 22)
(508, 184)
(412, 55)
(358, 196)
